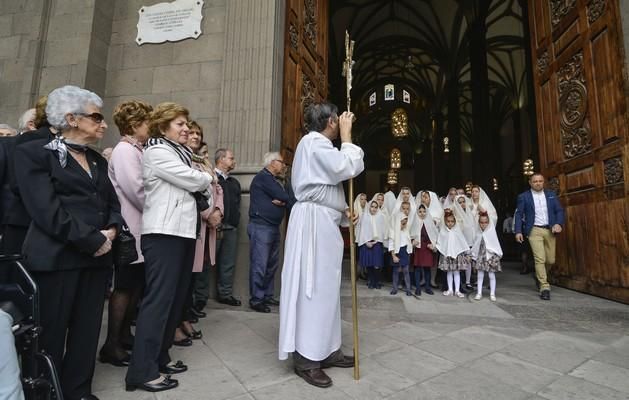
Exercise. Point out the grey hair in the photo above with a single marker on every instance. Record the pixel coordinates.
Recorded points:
(69, 100)
(270, 156)
(28, 116)
(220, 153)
(317, 114)
(9, 127)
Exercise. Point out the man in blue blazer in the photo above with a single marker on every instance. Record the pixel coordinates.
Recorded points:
(541, 214)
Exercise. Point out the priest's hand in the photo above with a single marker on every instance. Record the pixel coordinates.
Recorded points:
(354, 217)
(345, 126)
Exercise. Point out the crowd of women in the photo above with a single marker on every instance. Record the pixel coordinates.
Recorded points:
(425, 233)
(160, 186)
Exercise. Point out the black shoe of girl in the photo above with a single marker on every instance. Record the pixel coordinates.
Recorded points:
(393, 291)
(468, 286)
(429, 291)
(418, 292)
(409, 293)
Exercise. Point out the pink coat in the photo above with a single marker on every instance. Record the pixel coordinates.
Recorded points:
(200, 251)
(125, 173)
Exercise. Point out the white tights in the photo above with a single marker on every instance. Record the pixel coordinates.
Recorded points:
(457, 280)
(468, 274)
(492, 282)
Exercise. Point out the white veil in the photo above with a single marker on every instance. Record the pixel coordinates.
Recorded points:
(491, 240)
(435, 209)
(485, 202)
(464, 219)
(372, 227)
(431, 228)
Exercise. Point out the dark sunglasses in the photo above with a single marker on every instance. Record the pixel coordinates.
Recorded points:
(96, 117)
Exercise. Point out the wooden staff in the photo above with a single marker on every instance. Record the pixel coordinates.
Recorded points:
(347, 72)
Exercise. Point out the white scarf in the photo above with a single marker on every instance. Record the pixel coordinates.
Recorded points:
(431, 229)
(435, 209)
(396, 233)
(491, 241)
(451, 242)
(358, 209)
(485, 202)
(372, 227)
(464, 219)
(389, 201)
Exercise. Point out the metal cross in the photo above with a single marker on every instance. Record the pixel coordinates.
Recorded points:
(347, 67)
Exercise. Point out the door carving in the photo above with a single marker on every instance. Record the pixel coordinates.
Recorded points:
(582, 128)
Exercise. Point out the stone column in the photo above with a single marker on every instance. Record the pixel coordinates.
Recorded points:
(251, 103)
(250, 106)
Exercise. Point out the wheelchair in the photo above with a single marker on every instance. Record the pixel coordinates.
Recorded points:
(19, 297)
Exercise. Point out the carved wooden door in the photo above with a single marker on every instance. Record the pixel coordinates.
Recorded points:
(582, 128)
(305, 66)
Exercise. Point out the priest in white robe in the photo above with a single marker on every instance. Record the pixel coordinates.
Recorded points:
(310, 306)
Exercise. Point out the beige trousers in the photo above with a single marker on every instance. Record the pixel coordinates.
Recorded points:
(542, 243)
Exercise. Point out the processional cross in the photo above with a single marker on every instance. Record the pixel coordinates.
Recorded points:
(347, 73)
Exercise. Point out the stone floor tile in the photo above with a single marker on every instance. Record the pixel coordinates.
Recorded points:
(571, 388)
(214, 384)
(408, 333)
(413, 363)
(604, 374)
(376, 381)
(259, 370)
(515, 372)
(297, 388)
(483, 336)
(553, 350)
(454, 349)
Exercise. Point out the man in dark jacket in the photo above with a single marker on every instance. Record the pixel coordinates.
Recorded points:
(270, 199)
(541, 214)
(227, 244)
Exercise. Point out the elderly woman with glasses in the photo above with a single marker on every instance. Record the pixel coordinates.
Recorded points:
(75, 214)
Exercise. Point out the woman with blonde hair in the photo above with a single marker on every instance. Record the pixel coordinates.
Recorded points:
(174, 195)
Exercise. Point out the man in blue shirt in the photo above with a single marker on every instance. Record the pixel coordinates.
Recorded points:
(541, 214)
(269, 200)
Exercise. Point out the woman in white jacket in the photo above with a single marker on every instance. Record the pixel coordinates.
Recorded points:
(175, 193)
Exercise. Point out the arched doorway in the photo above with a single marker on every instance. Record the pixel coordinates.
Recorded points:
(484, 85)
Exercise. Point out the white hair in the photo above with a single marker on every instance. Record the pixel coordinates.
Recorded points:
(69, 100)
(9, 127)
(270, 156)
(28, 116)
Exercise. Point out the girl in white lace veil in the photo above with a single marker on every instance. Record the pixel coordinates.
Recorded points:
(480, 202)
(487, 253)
(373, 232)
(454, 253)
(466, 222)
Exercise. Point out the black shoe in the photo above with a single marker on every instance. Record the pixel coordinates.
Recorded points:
(429, 291)
(468, 286)
(315, 377)
(166, 384)
(192, 319)
(271, 302)
(175, 368)
(197, 313)
(187, 342)
(346, 362)
(545, 295)
(418, 292)
(230, 301)
(116, 362)
(199, 306)
(260, 307)
(194, 335)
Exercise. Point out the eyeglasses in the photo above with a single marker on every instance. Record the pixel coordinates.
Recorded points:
(96, 117)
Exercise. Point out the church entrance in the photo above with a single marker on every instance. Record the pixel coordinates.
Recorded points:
(450, 93)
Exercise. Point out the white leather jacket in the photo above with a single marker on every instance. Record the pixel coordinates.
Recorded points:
(169, 207)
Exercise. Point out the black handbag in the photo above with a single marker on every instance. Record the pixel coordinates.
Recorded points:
(123, 249)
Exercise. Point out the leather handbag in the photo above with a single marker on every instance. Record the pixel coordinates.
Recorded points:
(124, 250)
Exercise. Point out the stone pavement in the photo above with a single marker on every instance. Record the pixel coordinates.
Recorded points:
(432, 347)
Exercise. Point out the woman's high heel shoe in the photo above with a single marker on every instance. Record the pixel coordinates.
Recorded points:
(116, 362)
(167, 384)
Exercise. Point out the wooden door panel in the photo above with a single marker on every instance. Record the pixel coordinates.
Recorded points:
(582, 124)
(305, 60)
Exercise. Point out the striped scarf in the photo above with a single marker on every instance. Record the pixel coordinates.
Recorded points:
(184, 152)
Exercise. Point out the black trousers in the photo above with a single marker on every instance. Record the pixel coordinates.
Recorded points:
(168, 271)
(13, 238)
(71, 310)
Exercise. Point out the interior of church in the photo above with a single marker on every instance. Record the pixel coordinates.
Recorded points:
(441, 90)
